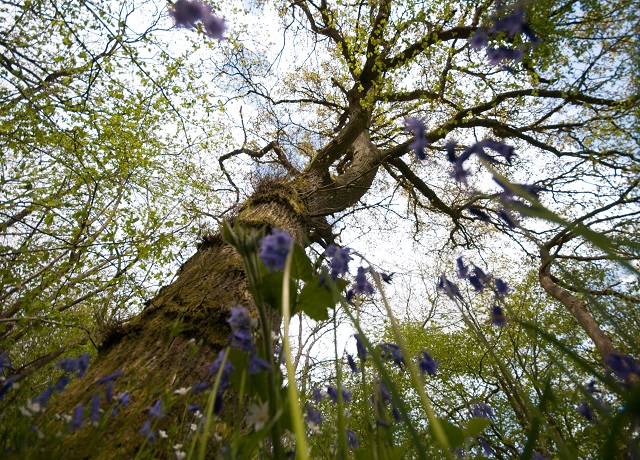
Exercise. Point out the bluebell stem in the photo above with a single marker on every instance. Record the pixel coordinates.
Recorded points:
(5, 361)
(274, 249)
(427, 364)
(416, 125)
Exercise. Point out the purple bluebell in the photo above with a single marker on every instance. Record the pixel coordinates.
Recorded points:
(463, 270)
(214, 368)
(497, 316)
(193, 408)
(479, 213)
(479, 39)
(420, 142)
(146, 431)
(333, 394)
(214, 26)
(486, 447)
(95, 408)
(476, 282)
(504, 150)
(584, 410)
(624, 366)
(449, 288)
(239, 318)
(352, 439)
(76, 418)
(352, 364)
(318, 395)
(502, 53)
(482, 410)
(43, 398)
(396, 414)
(349, 297)
(257, 364)
(481, 274)
(460, 173)
(76, 366)
(427, 364)
(157, 411)
(362, 286)
(502, 289)
(124, 398)
(110, 377)
(199, 387)
(186, 13)
(450, 147)
(340, 259)
(5, 361)
(385, 395)
(313, 416)
(507, 218)
(5, 387)
(362, 350)
(392, 352)
(61, 383)
(274, 249)
(243, 340)
(591, 387)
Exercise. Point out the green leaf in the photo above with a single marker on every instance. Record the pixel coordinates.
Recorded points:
(316, 299)
(476, 425)
(455, 434)
(301, 267)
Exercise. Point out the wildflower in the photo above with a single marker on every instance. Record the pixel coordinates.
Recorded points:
(95, 409)
(163, 434)
(76, 366)
(584, 410)
(5, 361)
(497, 316)
(501, 288)
(258, 415)
(199, 387)
(482, 410)
(193, 408)
(486, 447)
(479, 40)
(318, 395)
(110, 377)
(257, 364)
(392, 352)
(180, 455)
(420, 142)
(362, 350)
(624, 366)
(351, 438)
(450, 147)
(505, 150)
(427, 364)
(214, 27)
(243, 340)
(76, 418)
(479, 213)
(156, 411)
(123, 399)
(274, 249)
(349, 296)
(43, 398)
(591, 387)
(463, 270)
(146, 431)
(182, 391)
(352, 364)
(6, 386)
(239, 318)
(340, 259)
(362, 286)
(449, 288)
(186, 13)
(214, 368)
(333, 394)
(313, 416)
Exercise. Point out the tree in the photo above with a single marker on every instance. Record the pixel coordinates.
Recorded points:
(333, 128)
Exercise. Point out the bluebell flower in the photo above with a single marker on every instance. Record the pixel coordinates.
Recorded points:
(318, 395)
(352, 440)
(482, 410)
(392, 352)
(313, 416)
(199, 387)
(427, 364)
(591, 387)
(193, 408)
(76, 418)
(333, 394)
(396, 414)
(460, 173)
(463, 270)
(584, 410)
(239, 318)
(362, 350)
(362, 286)
(257, 364)
(450, 148)
(124, 398)
(214, 26)
(243, 340)
(76, 366)
(95, 408)
(352, 364)
(5, 361)
(497, 316)
(350, 295)
(274, 249)
(146, 431)
(340, 259)
(504, 150)
(624, 366)
(481, 274)
(214, 368)
(502, 289)
(186, 13)
(476, 282)
(449, 288)
(61, 383)
(479, 213)
(479, 39)
(157, 411)
(486, 447)
(502, 53)
(110, 377)
(420, 142)
(43, 398)
(5, 387)
(385, 395)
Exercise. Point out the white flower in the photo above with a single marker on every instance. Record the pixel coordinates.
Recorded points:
(193, 427)
(177, 447)
(198, 414)
(180, 454)
(216, 437)
(258, 415)
(163, 434)
(182, 391)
